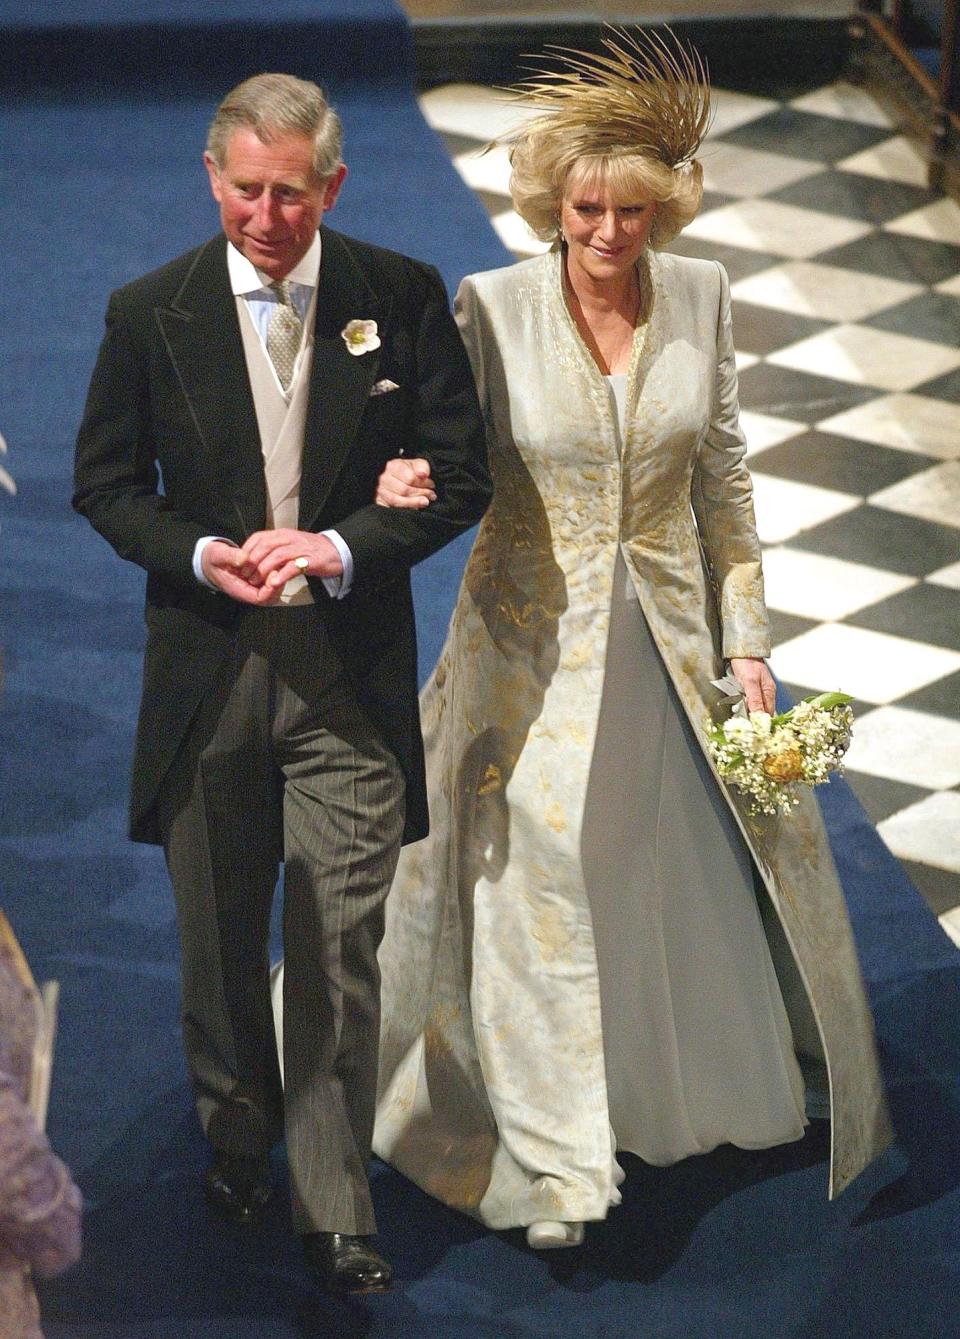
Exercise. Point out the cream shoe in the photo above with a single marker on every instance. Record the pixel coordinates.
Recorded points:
(547, 1236)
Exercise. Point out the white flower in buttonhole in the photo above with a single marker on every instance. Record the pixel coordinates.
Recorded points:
(360, 337)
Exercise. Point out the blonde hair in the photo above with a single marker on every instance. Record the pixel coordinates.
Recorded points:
(630, 118)
(279, 104)
(545, 165)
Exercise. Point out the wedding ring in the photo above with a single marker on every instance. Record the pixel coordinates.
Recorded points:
(302, 563)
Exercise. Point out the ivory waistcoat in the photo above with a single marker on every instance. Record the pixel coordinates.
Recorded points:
(281, 419)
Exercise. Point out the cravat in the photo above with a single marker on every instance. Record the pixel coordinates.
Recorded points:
(283, 333)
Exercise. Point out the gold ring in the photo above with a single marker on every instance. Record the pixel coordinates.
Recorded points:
(302, 563)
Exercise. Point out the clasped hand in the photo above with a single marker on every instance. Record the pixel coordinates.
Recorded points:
(257, 572)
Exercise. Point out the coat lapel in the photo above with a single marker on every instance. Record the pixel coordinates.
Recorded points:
(340, 382)
(202, 337)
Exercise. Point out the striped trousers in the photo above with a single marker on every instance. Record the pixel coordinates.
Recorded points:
(281, 766)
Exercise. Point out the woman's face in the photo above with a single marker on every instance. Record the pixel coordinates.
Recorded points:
(605, 236)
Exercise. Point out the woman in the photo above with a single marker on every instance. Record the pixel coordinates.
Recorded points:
(39, 1203)
(579, 959)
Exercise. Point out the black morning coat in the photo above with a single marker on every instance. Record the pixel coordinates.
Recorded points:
(169, 451)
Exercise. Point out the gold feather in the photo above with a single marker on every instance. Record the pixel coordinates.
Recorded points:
(647, 95)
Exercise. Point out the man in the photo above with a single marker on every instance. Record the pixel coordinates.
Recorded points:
(246, 397)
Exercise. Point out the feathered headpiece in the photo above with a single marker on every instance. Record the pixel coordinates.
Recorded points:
(647, 96)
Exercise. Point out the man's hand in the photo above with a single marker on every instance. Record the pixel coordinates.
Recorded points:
(405, 483)
(270, 560)
(226, 567)
(757, 683)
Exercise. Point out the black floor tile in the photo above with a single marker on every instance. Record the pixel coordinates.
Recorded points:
(736, 260)
(910, 259)
(493, 202)
(851, 195)
(831, 461)
(923, 613)
(763, 330)
(939, 888)
(934, 316)
(881, 797)
(784, 627)
(942, 697)
(715, 200)
(823, 139)
(884, 539)
(457, 144)
(787, 393)
(946, 388)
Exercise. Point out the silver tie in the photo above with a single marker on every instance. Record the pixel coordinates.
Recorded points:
(284, 333)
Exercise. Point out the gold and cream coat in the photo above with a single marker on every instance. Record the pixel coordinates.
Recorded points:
(475, 920)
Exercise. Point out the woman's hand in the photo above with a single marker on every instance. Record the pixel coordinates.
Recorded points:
(405, 483)
(757, 683)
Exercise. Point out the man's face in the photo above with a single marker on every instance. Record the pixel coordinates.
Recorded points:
(271, 202)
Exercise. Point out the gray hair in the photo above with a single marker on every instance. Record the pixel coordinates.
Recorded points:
(279, 104)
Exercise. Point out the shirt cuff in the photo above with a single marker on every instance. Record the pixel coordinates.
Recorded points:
(339, 587)
(198, 549)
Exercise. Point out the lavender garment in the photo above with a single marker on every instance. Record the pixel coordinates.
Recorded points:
(39, 1203)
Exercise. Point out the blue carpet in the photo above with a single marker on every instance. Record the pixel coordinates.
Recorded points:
(97, 188)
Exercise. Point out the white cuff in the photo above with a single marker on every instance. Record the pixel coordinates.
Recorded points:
(198, 549)
(339, 587)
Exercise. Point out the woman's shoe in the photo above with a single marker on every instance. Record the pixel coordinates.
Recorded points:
(547, 1236)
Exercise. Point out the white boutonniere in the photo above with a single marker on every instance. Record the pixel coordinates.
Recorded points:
(360, 337)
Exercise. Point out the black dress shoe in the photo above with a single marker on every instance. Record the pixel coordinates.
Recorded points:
(238, 1188)
(345, 1264)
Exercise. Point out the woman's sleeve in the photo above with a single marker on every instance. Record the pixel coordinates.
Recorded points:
(39, 1204)
(466, 311)
(722, 496)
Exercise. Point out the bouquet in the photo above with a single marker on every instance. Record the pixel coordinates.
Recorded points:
(768, 757)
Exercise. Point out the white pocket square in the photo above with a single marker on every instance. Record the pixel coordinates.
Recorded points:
(382, 387)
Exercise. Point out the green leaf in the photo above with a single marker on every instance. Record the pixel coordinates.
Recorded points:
(829, 700)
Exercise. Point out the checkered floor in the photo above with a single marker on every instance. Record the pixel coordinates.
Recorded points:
(845, 273)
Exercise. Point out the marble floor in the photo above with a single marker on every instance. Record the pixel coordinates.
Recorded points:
(845, 273)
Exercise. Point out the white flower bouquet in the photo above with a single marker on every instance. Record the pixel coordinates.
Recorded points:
(768, 757)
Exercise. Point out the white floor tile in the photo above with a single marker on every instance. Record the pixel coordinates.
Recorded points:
(933, 495)
(905, 745)
(868, 357)
(745, 360)
(470, 109)
(947, 576)
(907, 422)
(896, 159)
(735, 170)
(939, 222)
(826, 291)
(763, 430)
(488, 171)
(767, 225)
(731, 110)
(814, 586)
(872, 666)
(784, 507)
(950, 921)
(516, 236)
(928, 831)
(846, 102)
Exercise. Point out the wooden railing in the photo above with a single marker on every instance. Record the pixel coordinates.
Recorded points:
(900, 25)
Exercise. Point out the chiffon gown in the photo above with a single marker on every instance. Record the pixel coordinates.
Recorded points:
(697, 1044)
(492, 1098)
